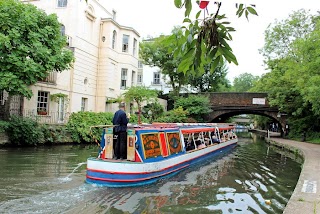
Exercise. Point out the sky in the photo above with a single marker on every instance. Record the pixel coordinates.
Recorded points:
(156, 17)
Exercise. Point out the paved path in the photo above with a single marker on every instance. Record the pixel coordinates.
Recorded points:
(306, 196)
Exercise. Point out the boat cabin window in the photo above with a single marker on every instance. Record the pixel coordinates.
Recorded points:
(215, 137)
(189, 142)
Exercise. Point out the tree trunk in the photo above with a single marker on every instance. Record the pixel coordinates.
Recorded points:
(139, 113)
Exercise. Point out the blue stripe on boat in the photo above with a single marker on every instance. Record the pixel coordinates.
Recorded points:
(124, 180)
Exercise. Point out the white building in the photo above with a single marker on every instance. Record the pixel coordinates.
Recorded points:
(153, 78)
(106, 60)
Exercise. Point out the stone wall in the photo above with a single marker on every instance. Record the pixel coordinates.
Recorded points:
(3, 138)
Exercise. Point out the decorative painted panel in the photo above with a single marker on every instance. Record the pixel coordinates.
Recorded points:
(173, 139)
(151, 145)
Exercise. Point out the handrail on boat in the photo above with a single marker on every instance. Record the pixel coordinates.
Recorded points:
(101, 126)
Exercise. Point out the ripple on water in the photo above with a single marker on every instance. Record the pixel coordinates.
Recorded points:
(47, 202)
(237, 182)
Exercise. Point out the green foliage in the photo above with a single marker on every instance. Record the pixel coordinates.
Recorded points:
(244, 82)
(24, 131)
(151, 111)
(197, 106)
(56, 97)
(211, 81)
(177, 115)
(79, 125)
(31, 47)
(140, 94)
(159, 52)
(262, 122)
(4, 125)
(206, 40)
(115, 100)
(291, 52)
(55, 133)
(279, 36)
(135, 120)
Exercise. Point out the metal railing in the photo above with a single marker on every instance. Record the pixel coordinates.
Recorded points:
(51, 117)
(51, 78)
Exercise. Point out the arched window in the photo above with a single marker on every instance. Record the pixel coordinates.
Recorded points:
(63, 30)
(114, 39)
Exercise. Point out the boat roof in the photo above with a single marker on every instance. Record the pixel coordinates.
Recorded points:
(185, 127)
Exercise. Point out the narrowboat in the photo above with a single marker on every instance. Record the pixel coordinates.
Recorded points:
(157, 151)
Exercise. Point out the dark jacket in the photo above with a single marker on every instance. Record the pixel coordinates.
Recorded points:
(120, 119)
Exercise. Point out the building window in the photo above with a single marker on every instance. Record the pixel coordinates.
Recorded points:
(43, 103)
(84, 103)
(124, 73)
(156, 78)
(125, 43)
(63, 30)
(62, 3)
(139, 78)
(134, 47)
(140, 65)
(114, 39)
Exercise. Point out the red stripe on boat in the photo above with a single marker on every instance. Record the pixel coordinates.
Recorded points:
(132, 173)
(138, 179)
(163, 145)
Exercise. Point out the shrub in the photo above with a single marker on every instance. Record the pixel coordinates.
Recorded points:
(134, 119)
(197, 106)
(156, 110)
(80, 122)
(177, 115)
(55, 133)
(3, 126)
(24, 131)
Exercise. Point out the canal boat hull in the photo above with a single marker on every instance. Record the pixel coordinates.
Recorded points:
(144, 169)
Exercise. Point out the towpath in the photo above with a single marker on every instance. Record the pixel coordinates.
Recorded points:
(306, 196)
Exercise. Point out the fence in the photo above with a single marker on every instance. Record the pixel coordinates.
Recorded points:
(50, 117)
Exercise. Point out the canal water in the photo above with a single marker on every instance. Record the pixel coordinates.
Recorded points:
(251, 178)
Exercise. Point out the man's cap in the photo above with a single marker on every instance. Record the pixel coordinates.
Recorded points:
(122, 105)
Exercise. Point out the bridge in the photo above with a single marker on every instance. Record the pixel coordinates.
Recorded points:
(228, 104)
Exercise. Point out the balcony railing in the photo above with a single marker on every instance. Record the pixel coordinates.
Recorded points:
(51, 78)
(51, 117)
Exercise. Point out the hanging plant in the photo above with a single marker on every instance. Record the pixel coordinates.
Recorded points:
(56, 97)
(119, 99)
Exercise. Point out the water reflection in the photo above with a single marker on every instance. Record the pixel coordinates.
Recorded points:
(237, 182)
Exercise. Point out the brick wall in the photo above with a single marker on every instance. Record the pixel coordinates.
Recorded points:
(236, 99)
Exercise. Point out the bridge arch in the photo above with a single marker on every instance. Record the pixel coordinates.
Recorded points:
(226, 105)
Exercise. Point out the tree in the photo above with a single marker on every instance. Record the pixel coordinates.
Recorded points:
(206, 40)
(244, 82)
(140, 94)
(159, 52)
(177, 115)
(152, 111)
(211, 81)
(280, 36)
(197, 106)
(293, 84)
(31, 47)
